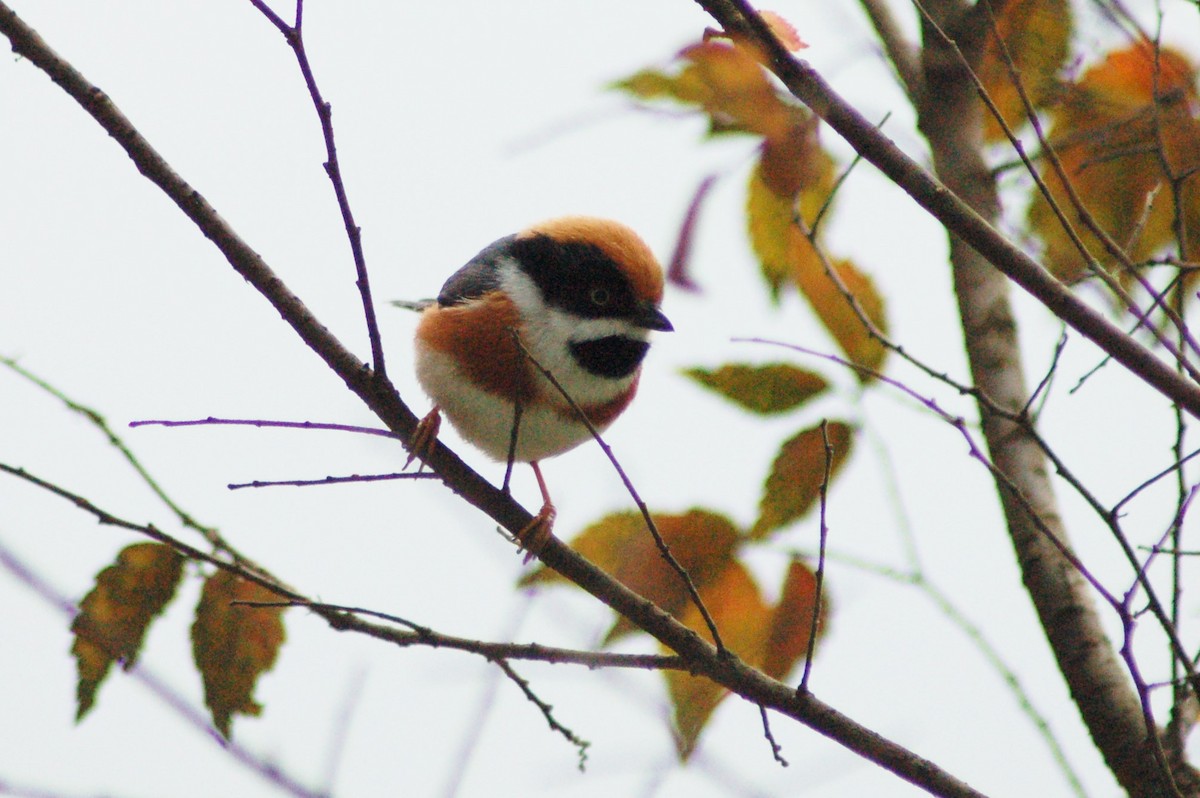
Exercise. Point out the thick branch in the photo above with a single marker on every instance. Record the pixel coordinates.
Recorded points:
(380, 396)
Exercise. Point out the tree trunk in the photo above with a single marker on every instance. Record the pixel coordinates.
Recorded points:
(950, 117)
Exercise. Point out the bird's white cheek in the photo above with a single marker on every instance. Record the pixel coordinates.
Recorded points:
(548, 338)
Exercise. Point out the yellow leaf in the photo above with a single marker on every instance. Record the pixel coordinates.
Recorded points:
(1037, 35)
(1114, 133)
(742, 618)
(114, 616)
(767, 389)
(839, 316)
(795, 480)
(233, 645)
(781, 248)
(701, 541)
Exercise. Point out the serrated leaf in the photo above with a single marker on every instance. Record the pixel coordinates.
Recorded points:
(783, 30)
(115, 615)
(1037, 36)
(791, 621)
(839, 315)
(702, 542)
(1113, 134)
(766, 389)
(742, 617)
(234, 644)
(794, 483)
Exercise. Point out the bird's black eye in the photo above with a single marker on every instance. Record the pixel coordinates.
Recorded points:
(600, 296)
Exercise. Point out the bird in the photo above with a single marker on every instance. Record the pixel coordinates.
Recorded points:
(574, 297)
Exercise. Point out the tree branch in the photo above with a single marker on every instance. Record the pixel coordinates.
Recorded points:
(381, 397)
(806, 85)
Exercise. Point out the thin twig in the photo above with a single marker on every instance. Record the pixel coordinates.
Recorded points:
(331, 480)
(262, 422)
(663, 548)
(826, 474)
(776, 748)
(294, 36)
(340, 617)
(547, 712)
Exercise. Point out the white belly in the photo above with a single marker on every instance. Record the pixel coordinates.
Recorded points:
(486, 420)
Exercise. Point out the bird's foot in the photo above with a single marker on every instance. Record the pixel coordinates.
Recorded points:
(537, 533)
(425, 437)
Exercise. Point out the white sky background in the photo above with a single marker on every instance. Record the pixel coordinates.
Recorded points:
(458, 123)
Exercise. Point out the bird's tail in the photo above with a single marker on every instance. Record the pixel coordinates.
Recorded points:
(408, 304)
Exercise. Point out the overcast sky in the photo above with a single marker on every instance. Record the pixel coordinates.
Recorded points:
(457, 123)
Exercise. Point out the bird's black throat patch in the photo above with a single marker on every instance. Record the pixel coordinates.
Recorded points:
(614, 356)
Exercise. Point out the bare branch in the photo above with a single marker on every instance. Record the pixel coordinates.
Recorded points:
(294, 36)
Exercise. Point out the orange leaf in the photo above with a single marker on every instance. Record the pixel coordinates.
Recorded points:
(784, 31)
(791, 621)
(1113, 138)
(726, 82)
(839, 316)
(1037, 35)
(115, 615)
(767, 389)
(233, 645)
(734, 89)
(742, 618)
(701, 541)
(795, 480)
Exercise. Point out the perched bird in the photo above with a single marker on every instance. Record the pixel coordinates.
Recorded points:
(582, 295)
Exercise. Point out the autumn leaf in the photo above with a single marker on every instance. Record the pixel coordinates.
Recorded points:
(795, 480)
(781, 248)
(702, 542)
(1122, 131)
(767, 389)
(679, 272)
(791, 621)
(115, 615)
(233, 645)
(783, 30)
(742, 618)
(840, 317)
(1037, 36)
(724, 81)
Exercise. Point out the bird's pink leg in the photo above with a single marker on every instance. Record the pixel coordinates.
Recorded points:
(425, 437)
(536, 534)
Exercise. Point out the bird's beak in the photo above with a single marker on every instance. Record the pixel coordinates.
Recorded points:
(650, 317)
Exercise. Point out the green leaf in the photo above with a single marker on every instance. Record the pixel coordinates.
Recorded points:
(768, 389)
(114, 616)
(795, 480)
(234, 644)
